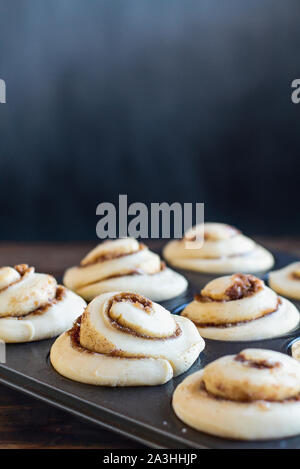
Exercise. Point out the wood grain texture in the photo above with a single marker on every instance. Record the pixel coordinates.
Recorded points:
(27, 423)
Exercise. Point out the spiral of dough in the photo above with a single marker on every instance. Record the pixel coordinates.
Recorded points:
(286, 281)
(120, 333)
(241, 307)
(254, 395)
(253, 375)
(223, 250)
(33, 306)
(124, 265)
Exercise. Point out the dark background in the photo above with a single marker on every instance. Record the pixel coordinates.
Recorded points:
(163, 100)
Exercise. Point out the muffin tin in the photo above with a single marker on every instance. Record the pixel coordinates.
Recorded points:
(144, 413)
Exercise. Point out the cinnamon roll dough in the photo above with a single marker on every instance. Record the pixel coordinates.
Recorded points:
(254, 395)
(224, 250)
(33, 306)
(241, 307)
(296, 350)
(124, 265)
(286, 281)
(124, 339)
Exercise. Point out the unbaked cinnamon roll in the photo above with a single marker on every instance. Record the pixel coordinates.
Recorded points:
(124, 265)
(33, 306)
(254, 395)
(286, 281)
(224, 250)
(241, 307)
(295, 349)
(124, 339)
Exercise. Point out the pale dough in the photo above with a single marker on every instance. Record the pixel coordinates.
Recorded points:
(29, 309)
(286, 281)
(251, 396)
(124, 265)
(255, 315)
(127, 340)
(224, 250)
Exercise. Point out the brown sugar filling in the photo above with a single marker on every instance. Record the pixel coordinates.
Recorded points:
(59, 296)
(112, 255)
(259, 364)
(144, 304)
(22, 269)
(126, 274)
(210, 237)
(140, 301)
(203, 388)
(238, 323)
(136, 299)
(243, 286)
(74, 335)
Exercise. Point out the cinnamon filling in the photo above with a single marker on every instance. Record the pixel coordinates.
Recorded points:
(259, 364)
(243, 286)
(127, 330)
(295, 276)
(142, 303)
(137, 300)
(210, 237)
(136, 272)
(22, 269)
(202, 387)
(59, 296)
(126, 274)
(238, 323)
(112, 255)
(134, 298)
(74, 334)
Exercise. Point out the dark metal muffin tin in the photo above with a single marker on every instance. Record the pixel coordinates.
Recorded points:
(142, 413)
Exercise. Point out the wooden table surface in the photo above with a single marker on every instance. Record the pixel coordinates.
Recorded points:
(28, 423)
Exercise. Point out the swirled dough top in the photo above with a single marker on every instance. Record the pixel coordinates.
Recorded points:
(253, 374)
(153, 322)
(111, 250)
(252, 395)
(117, 330)
(239, 307)
(124, 264)
(8, 275)
(126, 324)
(219, 240)
(23, 291)
(232, 299)
(224, 249)
(286, 281)
(33, 306)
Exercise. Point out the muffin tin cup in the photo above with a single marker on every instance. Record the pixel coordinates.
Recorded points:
(140, 413)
